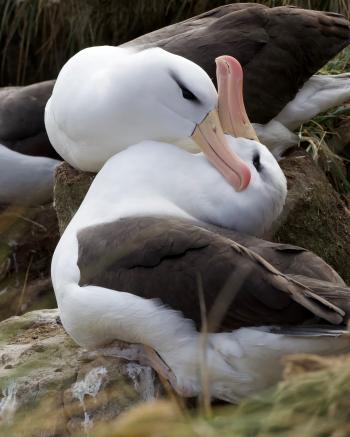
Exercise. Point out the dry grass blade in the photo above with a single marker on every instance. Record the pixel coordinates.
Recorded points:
(317, 134)
(21, 297)
(203, 349)
(313, 401)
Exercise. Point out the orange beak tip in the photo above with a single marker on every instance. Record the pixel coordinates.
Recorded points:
(246, 177)
(240, 181)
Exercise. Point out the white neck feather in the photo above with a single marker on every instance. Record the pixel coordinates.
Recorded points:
(155, 178)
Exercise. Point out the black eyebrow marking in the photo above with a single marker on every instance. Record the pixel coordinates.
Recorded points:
(187, 94)
(256, 162)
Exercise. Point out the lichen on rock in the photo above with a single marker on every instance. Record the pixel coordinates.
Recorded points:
(50, 386)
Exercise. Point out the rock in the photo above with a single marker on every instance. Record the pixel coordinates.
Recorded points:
(52, 387)
(314, 216)
(340, 140)
(28, 237)
(69, 191)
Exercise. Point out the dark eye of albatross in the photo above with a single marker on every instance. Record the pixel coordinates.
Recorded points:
(256, 162)
(187, 94)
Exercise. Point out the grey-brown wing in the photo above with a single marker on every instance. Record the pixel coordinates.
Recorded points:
(172, 260)
(287, 258)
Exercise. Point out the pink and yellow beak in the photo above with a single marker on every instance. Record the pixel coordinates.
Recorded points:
(230, 118)
(232, 113)
(211, 139)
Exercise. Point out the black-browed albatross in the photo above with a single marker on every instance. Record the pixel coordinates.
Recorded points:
(154, 178)
(129, 265)
(122, 273)
(151, 95)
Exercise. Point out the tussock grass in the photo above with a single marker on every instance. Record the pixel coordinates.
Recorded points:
(314, 400)
(339, 64)
(321, 138)
(316, 134)
(38, 36)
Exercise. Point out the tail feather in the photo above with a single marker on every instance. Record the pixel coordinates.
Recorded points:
(306, 331)
(337, 294)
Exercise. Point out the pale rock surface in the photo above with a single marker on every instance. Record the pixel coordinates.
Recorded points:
(50, 387)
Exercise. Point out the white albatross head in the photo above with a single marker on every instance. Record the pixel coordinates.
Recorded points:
(255, 209)
(107, 98)
(153, 178)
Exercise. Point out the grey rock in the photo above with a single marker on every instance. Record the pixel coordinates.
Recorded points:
(314, 216)
(52, 387)
(70, 188)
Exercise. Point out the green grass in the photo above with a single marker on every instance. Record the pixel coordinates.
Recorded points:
(339, 64)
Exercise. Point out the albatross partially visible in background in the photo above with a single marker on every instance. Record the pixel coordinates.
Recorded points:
(22, 127)
(25, 180)
(27, 162)
(279, 48)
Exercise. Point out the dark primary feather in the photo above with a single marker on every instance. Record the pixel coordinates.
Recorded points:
(279, 48)
(170, 259)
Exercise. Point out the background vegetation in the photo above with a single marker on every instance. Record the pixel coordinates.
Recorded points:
(38, 36)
